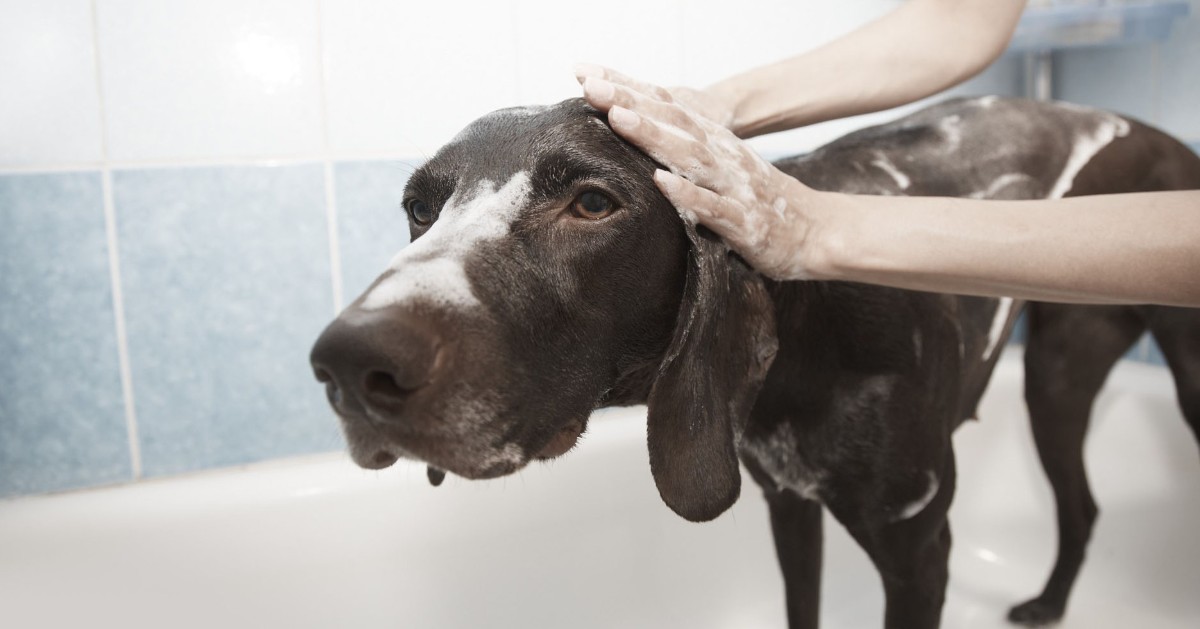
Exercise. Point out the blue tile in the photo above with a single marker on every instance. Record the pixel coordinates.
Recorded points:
(371, 224)
(227, 284)
(1154, 354)
(1119, 79)
(62, 418)
(1003, 77)
(1180, 57)
(1020, 333)
(1138, 351)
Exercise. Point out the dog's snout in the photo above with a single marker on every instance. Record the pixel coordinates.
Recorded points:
(374, 362)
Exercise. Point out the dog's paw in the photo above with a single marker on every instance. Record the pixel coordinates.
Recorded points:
(1035, 613)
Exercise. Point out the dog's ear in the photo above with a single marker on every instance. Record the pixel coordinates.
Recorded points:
(706, 385)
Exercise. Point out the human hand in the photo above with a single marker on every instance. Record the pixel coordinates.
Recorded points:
(715, 178)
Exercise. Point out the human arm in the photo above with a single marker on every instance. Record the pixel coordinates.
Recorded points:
(1128, 248)
(916, 50)
(1121, 248)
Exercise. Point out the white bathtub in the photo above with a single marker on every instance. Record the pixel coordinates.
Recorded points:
(584, 541)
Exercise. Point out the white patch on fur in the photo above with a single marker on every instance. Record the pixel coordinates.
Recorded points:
(1085, 148)
(1003, 308)
(510, 454)
(986, 101)
(998, 184)
(918, 344)
(918, 505)
(778, 456)
(431, 268)
(526, 110)
(951, 128)
(883, 163)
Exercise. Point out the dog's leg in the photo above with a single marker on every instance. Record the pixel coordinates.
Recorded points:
(1177, 331)
(796, 523)
(911, 554)
(1069, 353)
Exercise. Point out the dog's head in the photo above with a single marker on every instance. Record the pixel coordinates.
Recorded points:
(547, 276)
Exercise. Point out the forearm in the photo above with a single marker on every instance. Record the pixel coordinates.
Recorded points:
(919, 49)
(1129, 248)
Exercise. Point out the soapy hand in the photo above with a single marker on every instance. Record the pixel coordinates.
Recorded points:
(715, 178)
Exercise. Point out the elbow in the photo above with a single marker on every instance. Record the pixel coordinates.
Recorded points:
(976, 32)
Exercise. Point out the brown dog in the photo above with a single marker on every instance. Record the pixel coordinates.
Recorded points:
(548, 277)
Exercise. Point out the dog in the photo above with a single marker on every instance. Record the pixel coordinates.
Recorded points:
(548, 277)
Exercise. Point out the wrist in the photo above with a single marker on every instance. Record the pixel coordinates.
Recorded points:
(831, 244)
(757, 105)
(723, 99)
(741, 100)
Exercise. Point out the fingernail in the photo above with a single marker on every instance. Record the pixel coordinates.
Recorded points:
(668, 181)
(598, 88)
(584, 70)
(622, 117)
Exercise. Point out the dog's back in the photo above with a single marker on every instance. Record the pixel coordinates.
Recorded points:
(996, 148)
(1004, 148)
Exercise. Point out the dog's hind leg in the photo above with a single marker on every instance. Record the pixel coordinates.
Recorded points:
(796, 523)
(1068, 355)
(1177, 331)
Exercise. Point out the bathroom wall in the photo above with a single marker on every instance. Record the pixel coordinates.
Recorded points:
(190, 190)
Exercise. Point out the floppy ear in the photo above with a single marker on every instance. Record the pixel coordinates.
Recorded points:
(706, 385)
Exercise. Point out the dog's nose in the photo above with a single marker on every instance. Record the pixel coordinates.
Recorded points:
(374, 360)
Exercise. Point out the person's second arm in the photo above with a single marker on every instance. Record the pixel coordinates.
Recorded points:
(920, 48)
(1083, 250)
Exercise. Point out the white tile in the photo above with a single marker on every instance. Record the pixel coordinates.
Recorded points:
(722, 38)
(49, 113)
(403, 78)
(641, 38)
(221, 78)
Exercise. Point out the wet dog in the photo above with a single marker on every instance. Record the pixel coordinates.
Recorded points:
(547, 277)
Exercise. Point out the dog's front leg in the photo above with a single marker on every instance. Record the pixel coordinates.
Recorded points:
(910, 551)
(796, 524)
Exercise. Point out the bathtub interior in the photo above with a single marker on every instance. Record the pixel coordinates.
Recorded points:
(585, 542)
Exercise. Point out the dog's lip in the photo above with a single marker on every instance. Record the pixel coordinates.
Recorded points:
(563, 441)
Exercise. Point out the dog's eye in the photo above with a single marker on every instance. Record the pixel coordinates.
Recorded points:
(593, 205)
(420, 211)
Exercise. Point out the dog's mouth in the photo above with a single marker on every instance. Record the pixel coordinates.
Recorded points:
(563, 441)
(371, 450)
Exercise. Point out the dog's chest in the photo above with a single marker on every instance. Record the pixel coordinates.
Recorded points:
(778, 456)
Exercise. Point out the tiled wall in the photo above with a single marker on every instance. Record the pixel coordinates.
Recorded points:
(189, 191)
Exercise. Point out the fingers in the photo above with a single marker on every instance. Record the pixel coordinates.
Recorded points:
(585, 70)
(667, 144)
(708, 208)
(604, 95)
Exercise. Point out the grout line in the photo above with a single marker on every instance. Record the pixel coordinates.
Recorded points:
(335, 252)
(206, 163)
(114, 265)
(331, 213)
